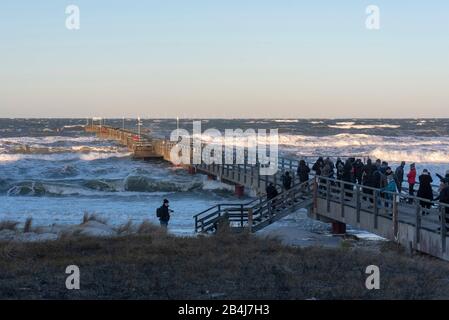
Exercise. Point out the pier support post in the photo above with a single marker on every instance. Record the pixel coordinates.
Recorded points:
(338, 227)
(191, 170)
(239, 190)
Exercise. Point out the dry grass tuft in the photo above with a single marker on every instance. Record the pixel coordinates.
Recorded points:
(146, 227)
(28, 223)
(8, 225)
(93, 217)
(125, 229)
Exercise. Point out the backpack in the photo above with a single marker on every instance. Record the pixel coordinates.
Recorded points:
(159, 212)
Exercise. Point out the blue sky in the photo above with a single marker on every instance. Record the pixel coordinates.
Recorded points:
(280, 59)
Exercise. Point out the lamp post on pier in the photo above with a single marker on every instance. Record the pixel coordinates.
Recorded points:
(139, 124)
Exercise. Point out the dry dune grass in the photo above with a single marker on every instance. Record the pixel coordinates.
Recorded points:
(155, 265)
(28, 225)
(93, 217)
(8, 225)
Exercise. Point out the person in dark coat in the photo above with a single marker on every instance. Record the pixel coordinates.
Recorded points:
(444, 198)
(425, 189)
(378, 177)
(399, 176)
(287, 181)
(331, 165)
(367, 178)
(271, 191)
(164, 215)
(318, 166)
(378, 164)
(383, 167)
(358, 171)
(367, 173)
(339, 165)
(303, 171)
(348, 176)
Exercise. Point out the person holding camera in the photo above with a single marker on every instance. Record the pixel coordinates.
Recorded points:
(163, 213)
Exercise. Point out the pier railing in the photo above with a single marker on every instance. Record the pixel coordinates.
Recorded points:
(417, 212)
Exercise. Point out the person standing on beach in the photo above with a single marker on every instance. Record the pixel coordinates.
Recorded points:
(163, 213)
(411, 178)
(399, 176)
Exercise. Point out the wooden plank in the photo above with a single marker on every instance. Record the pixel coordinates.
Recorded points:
(417, 222)
(443, 229)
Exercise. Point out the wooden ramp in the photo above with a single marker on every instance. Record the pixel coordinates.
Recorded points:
(255, 215)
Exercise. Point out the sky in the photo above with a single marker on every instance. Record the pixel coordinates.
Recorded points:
(224, 59)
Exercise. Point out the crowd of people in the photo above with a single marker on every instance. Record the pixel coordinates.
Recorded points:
(377, 175)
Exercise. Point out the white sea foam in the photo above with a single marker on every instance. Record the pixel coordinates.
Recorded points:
(410, 149)
(46, 140)
(62, 157)
(353, 125)
(287, 121)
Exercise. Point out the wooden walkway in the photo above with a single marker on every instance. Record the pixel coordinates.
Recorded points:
(396, 217)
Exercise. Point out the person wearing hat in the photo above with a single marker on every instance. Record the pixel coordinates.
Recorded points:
(163, 213)
(411, 176)
(425, 189)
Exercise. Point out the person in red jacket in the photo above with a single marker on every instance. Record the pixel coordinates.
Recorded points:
(411, 181)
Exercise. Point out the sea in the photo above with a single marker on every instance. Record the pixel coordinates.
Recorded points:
(53, 171)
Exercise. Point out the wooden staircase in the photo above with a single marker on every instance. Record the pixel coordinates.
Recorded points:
(257, 214)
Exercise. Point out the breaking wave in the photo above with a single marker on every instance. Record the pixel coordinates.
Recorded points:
(146, 184)
(411, 155)
(411, 149)
(6, 157)
(353, 125)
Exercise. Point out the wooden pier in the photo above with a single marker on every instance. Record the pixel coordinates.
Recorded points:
(394, 216)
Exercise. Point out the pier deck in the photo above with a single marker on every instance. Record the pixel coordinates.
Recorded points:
(397, 217)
